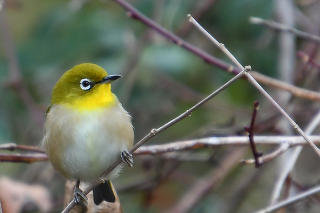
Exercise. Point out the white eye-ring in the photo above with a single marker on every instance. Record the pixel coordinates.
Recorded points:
(85, 84)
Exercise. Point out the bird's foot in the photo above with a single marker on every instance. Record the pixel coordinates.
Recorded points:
(79, 197)
(127, 158)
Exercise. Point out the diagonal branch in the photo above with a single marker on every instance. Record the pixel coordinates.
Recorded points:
(282, 27)
(256, 84)
(296, 91)
(153, 133)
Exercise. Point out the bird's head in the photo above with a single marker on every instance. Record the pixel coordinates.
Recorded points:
(84, 87)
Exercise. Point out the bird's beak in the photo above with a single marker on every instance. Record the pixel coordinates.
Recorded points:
(109, 79)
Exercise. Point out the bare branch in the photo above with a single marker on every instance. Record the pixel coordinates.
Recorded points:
(282, 27)
(271, 156)
(153, 133)
(256, 84)
(23, 158)
(296, 91)
(291, 200)
(306, 58)
(250, 130)
(13, 147)
(292, 160)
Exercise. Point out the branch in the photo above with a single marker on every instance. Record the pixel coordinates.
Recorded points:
(292, 160)
(282, 27)
(13, 147)
(296, 91)
(153, 133)
(291, 200)
(23, 158)
(261, 160)
(212, 142)
(256, 84)
(306, 58)
(250, 130)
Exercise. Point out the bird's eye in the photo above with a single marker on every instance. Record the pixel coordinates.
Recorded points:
(85, 84)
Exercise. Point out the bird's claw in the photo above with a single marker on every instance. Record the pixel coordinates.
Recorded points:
(79, 197)
(127, 158)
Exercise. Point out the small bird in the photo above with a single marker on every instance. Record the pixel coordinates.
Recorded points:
(87, 129)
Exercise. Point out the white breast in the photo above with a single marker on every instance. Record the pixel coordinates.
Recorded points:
(82, 145)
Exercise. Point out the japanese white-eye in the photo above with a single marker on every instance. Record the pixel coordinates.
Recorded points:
(87, 129)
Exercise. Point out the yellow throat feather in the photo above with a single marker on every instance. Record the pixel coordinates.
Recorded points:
(68, 92)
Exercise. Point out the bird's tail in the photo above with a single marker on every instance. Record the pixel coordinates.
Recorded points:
(103, 192)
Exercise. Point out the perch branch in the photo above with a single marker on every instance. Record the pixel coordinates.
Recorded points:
(154, 132)
(223, 141)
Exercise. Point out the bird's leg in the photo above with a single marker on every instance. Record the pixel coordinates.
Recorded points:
(79, 197)
(126, 157)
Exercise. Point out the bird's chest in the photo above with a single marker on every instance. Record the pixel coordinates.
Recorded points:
(83, 145)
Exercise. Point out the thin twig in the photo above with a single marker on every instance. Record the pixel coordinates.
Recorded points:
(250, 131)
(154, 132)
(268, 157)
(201, 9)
(296, 91)
(212, 142)
(292, 160)
(13, 147)
(23, 158)
(202, 143)
(291, 200)
(294, 124)
(282, 27)
(306, 58)
(256, 84)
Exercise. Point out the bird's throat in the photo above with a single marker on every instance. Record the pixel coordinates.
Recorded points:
(100, 97)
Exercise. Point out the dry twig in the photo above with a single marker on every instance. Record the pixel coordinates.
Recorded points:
(292, 160)
(250, 130)
(154, 132)
(296, 91)
(291, 200)
(281, 27)
(255, 83)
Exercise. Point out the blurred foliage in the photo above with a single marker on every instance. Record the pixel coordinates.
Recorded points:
(52, 36)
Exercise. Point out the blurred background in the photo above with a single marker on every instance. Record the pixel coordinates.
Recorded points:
(40, 40)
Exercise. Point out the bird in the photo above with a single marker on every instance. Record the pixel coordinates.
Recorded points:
(87, 129)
